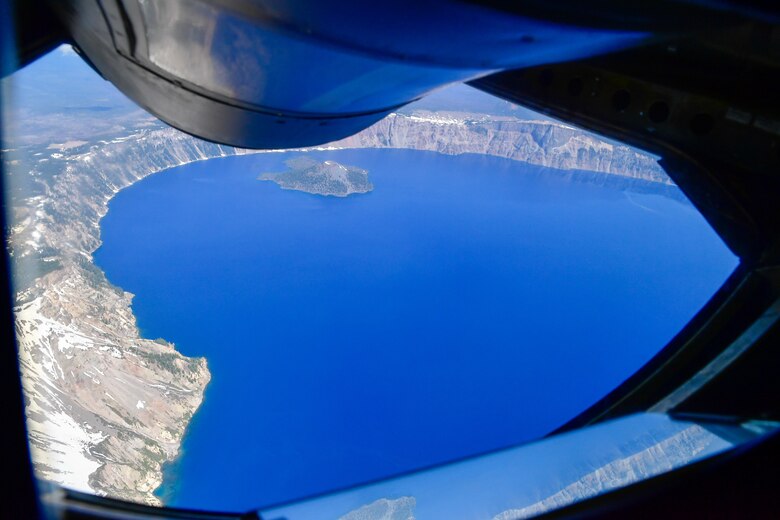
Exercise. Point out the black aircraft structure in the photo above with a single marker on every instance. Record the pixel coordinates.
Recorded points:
(695, 82)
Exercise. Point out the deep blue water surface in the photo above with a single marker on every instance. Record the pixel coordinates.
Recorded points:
(468, 303)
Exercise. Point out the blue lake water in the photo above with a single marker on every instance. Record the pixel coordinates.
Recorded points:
(468, 303)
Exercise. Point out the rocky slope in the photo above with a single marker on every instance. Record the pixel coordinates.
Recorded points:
(105, 407)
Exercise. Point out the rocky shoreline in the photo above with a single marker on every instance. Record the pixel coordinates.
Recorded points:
(107, 408)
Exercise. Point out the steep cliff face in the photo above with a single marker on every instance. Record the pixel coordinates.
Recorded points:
(107, 408)
(544, 143)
